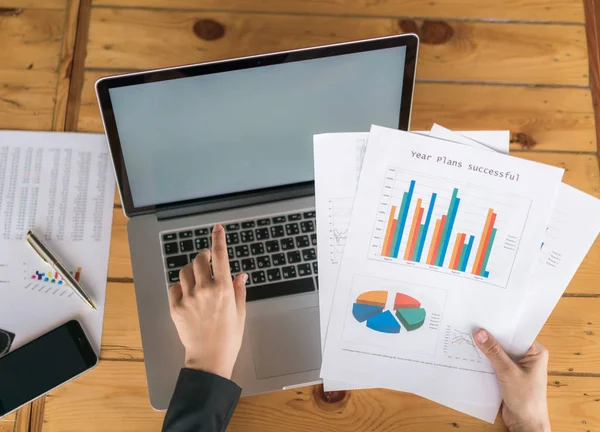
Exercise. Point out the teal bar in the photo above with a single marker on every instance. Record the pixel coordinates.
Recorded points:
(397, 232)
(464, 256)
(418, 244)
(441, 252)
(487, 252)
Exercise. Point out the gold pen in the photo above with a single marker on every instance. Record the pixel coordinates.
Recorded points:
(45, 254)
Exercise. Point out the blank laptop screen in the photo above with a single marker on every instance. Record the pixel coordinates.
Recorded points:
(249, 129)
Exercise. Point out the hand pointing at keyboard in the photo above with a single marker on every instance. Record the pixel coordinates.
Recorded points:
(209, 311)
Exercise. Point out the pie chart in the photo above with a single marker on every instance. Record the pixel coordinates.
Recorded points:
(370, 307)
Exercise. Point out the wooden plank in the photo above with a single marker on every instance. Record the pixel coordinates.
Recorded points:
(22, 420)
(26, 99)
(572, 333)
(34, 4)
(31, 39)
(592, 29)
(37, 414)
(458, 50)
(115, 396)
(9, 418)
(549, 118)
(65, 66)
(535, 10)
(7, 426)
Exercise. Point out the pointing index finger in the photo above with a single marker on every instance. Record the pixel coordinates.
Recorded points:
(220, 258)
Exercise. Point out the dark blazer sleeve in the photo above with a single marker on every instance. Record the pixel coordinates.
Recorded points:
(202, 402)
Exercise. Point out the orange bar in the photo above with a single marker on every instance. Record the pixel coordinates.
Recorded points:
(437, 238)
(413, 228)
(485, 244)
(385, 250)
(481, 248)
(458, 245)
(431, 246)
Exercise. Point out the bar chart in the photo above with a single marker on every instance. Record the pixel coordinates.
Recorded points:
(442, 225)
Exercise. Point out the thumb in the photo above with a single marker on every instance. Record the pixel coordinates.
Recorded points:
(239, 287)
(489, 346)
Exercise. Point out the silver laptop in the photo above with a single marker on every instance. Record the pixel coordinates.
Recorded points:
(231, 142)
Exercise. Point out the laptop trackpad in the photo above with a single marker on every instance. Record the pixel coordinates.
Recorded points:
(286, 343)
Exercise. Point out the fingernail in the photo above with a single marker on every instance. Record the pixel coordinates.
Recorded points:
(218, 227)
(245, 277)
(481, 336)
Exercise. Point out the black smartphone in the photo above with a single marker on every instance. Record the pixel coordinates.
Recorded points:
(44, 364)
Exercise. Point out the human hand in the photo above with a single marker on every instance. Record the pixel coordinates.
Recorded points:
(523, 384)
(209, 312)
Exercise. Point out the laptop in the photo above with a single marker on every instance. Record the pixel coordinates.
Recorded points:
(231, 142)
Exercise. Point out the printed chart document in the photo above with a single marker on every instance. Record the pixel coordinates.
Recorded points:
(61, 186)
(430, 258)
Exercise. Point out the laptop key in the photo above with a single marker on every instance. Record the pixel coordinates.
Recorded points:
(258, 277)
(279, 219)
(248, 224)
(307, 226)
(302, 241)
(247, 236)
(263, 261)
(315, 265)
(261, 233)
(232, 227)
(304, 270)
(193, 255)
(173, 276)
(309, 254)
(170, 236)
(313, 239)
(186, 245)
(232, 238)
(277, 231)
(242, 251)
(294, 217)
(292, 229)
(257, 248)
(289, 272)
(274, 274)
(234, 266)
(176, 261)
(201, 231)
(294, 257)
(279, 289)
(309, 215)
(278, 259)
(171, 248)
(185, 234)
(272, 246)
(201, 243)
(263, 222)
(248, 264)
(230, 253)
(287, 244)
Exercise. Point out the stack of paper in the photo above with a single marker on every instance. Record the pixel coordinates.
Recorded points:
(425, 237)
(61, 186)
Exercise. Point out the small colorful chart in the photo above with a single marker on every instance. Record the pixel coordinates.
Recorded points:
(369, 307)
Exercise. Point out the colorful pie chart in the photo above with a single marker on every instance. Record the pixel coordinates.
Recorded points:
(370, 307)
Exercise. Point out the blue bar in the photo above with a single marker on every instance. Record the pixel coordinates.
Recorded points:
(448, 232)
(486, 273)
(467, 253)
(402, 221)
(426, 227)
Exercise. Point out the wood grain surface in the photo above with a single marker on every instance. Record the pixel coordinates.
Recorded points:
(517, 10)
(33, 4)
(143, 39)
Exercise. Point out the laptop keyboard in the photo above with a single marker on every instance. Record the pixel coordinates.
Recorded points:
(279, 253)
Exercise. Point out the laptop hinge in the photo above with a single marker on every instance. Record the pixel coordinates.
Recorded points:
(207, 206)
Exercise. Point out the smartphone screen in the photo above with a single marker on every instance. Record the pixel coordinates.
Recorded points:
(43, 364)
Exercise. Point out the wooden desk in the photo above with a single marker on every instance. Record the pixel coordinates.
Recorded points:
(521, 65)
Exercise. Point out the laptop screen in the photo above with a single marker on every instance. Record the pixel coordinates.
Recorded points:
(249, 129)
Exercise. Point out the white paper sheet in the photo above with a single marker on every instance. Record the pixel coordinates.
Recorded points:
(60, 185)
(357, 354)
(498, 141)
